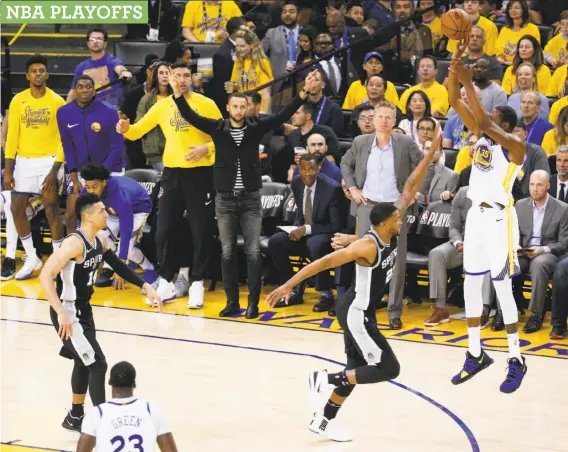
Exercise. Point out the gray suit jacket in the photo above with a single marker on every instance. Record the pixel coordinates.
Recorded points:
(460, 206)
(407, 156)
(446, 179)
(554, 232)
(275, 46)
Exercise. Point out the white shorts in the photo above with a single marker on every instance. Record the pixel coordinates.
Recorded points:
(30, 174)
(490, 242)
(113, 228)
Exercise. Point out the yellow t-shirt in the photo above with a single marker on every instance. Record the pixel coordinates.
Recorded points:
(556, 47)
(180, 134)
(463, 160)
(216, 21)
(357, 94)
(250, 77)
(437, 94)
(506, 45)
(436, 29)
(491, 35)
(543, 77)
(556, 85)
(556, 109)
(32, 126)
(549, 142)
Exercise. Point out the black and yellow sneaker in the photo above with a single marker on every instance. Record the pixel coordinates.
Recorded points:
(8, 269)
(472, 366)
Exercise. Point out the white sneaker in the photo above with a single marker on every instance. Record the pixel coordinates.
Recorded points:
(32, 264)
(154, 286)
(196, 292)
(166, 291)
(182, 286)
(319, 390)
(330, 429)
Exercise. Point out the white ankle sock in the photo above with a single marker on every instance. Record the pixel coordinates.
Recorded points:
(474, 345)
(185, 272)
(197, 283)
(514, 346)
(28, 245)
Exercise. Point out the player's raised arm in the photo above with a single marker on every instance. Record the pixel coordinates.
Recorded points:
(72, 248)
(414, 181)
(358, 249)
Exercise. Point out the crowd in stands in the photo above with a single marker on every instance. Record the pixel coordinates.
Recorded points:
(370, 110)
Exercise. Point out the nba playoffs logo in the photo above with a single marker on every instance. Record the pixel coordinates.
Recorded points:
(482, 158)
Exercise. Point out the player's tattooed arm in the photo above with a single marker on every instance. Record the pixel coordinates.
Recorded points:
(414, 181)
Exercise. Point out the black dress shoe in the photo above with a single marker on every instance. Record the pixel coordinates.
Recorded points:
(332, 311)
(294, 300)
(498, 324)
(252, 311)
(533, 324)
(232, 308)
(324, 304)
(557, 332)
(395, 324)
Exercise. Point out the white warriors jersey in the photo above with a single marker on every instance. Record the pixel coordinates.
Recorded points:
(492, 174)
(126, 425)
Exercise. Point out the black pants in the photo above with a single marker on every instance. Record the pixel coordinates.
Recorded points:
(245, 211)
(313, 246)
(188, 189)
(560, 294)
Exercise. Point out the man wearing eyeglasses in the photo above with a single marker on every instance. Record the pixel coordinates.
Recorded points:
(102, 68)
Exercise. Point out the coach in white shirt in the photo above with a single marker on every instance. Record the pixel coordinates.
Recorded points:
(375, 170)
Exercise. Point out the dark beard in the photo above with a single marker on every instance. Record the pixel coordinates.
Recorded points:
(290, 26)
(328, 58)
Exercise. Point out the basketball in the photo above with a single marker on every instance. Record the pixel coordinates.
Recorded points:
(456, 24)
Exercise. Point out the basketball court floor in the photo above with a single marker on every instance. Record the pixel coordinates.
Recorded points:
(241, 385)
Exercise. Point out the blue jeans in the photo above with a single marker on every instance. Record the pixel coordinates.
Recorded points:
(231, 211)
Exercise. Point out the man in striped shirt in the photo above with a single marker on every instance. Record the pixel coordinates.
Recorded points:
(237, 181)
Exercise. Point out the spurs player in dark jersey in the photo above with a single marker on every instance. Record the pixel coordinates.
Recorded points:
(370, 358)
(76, 262)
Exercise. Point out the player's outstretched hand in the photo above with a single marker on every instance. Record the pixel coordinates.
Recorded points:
(65, 326)
(122, 126)
(174, 83)
(153, 296)
(276, 295)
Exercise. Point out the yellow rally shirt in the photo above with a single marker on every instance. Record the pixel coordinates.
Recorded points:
(543, 78)
(491, 35)
(250, 77)
(556, 85)
(436, 29)
(556, 47)
(556, 109)
(216, 21)
(32, 126)
(437, 94)
(463, 160)
(506, 45)
(549, 143)
(357, 94)
(180, 135)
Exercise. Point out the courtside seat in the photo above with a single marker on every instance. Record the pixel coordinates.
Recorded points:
(416, 260)
(150, 180)
(546, 33)
(451, 156)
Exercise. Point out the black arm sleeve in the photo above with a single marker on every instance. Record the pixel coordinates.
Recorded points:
(123, 270)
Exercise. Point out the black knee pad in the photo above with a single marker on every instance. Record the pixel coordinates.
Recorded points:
(389, 365)
(344, 391)
(100, 365)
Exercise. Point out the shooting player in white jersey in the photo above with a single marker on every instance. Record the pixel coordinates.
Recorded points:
(491, 230)
(125, 422)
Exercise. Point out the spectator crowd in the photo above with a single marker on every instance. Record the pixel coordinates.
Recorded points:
(327, 104)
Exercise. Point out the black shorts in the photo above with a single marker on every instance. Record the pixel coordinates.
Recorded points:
(362, 338)
(83, 345)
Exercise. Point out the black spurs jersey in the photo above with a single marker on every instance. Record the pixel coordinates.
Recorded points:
(374, 279)
(76, 280)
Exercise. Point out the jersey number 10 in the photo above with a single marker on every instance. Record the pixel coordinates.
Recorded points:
(135, 441)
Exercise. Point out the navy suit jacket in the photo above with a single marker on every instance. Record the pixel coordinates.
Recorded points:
(328, 211)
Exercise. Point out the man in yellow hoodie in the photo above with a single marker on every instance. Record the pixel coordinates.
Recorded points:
(187, 184)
